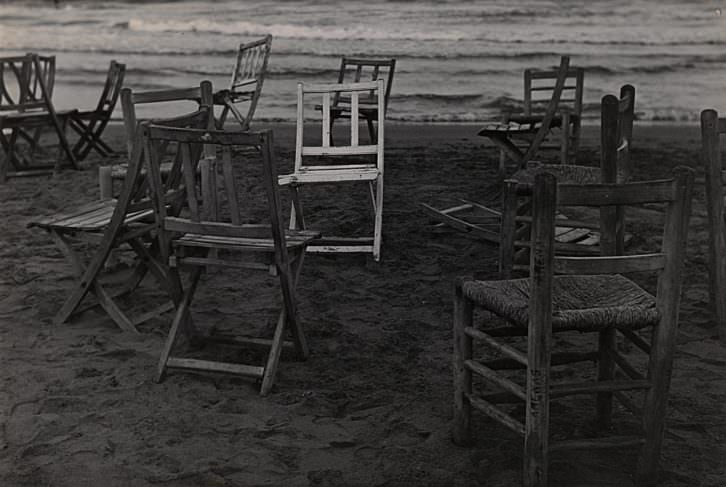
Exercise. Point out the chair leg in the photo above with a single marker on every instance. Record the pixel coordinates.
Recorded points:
(297, 220)
(462, 376)
(273, 358)
(660, 366)
(179, 317)
(378, 223)
(536, 434)
(565, 139)
(606, 371)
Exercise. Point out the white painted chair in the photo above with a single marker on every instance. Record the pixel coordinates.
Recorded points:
(324, 163)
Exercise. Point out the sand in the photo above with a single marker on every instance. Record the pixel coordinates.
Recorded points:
(372, 404)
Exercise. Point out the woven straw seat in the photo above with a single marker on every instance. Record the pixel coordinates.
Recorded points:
(587, 303)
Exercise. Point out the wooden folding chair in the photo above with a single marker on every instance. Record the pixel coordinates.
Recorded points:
(711, 129)
(26, 84)
(355, 70)
(185, 98)
(575, 294)
(246, 85)
(332, 164)
(214, 234)
(90, 124)
(617, 116)
(111, 223)
(535, 128)
(538, 89)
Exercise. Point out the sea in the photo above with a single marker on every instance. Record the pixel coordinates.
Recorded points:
(457, 60)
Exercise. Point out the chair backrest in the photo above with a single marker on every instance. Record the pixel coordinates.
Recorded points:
(540, 83)
(548, 197)
(209, 213)
(711, 129)
(551, 110)
(26, 82)
(251, 65)
(129, 100)
(354, 91)
(355, 70)
(111, 89)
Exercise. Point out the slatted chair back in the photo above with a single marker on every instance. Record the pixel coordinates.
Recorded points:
(356, 70)
(712, 126)
(26, 82)
(111, 90)
(130, 99)
(354, 92)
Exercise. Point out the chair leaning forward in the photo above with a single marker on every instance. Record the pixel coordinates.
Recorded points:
(90, 124)
(711, 129)
(588, 294)
(111, 223)
(26, 108)
(249, 73)
(329, 168)
(535, 129)
(210, 235)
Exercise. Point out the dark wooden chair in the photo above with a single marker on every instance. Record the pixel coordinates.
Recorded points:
(711, 129)
(90, 124)
(213, 233)
(111, 223)
(342, 164)
(505, 134)
(26, 108)
(356, 70)
(580, 295)
(249, 73)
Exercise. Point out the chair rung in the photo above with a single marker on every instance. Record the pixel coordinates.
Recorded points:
(572, 388)
(243, 340)
(496, 413)
(510, 352)
(610, 442)
(144, 317)
(559, 358)
(209, 366)
(491, 376)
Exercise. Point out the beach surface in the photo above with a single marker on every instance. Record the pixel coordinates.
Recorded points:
(372, 405)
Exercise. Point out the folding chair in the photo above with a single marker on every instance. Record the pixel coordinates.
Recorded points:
(329, 167)
(588, 294)
(534, 128)
(186, 98)
(214, 234)
(128, 220)
(26, 85)
(355, 70)
(617, 116)
(90, 124)
(711, 129)
(246, 85)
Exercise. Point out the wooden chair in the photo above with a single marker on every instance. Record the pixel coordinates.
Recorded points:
(129, 100)
(574, 236)
(111, 223)
(90, 124)
(532, 128)
(214, 234)
(711, 129)
(26, 87)
(538, 87)
(355, 70)
(617, 116)
(332, 169)
(588, 294)
(246, 85)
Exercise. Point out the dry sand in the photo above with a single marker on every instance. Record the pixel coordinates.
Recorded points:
(371, 406)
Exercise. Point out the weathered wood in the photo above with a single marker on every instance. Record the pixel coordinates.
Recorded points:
(604, 443)
(505, 349)
(496, 413)
(491, 376)
(462, 374)
(605, 265)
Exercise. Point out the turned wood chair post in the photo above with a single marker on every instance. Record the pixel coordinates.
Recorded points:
(711, 127)
(463, 313)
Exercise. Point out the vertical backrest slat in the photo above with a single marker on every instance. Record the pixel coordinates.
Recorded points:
(189, 171)
(527, 92)
(354, 119)
(230, 187)
(380, 133)
(326, 119)
(299, 127)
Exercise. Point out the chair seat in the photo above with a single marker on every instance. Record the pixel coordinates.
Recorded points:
(329, 175)
(92, 217)
(294, 239)
(585, 303)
